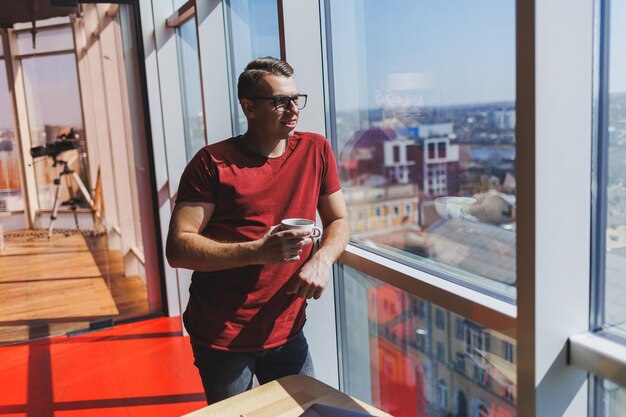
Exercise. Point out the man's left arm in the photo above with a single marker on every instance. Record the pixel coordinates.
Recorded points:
(314, 275)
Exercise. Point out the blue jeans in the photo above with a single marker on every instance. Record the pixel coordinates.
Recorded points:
(225, 374)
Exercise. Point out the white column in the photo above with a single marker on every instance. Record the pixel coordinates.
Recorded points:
(554, 101)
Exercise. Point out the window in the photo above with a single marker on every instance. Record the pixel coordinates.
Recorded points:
(441, 352)
(507, 351)
(608, 315)
(11, 198)
(483, 411)
(190, 86)
(53, 103)
(442, 394)
(460, 363)
(376, 339)
(400, 85)
(460, 329)
(252, 27)
(477, 343)
(441, 147)
(611, 178)
(431, 151)
(396, 153)
(440, 320)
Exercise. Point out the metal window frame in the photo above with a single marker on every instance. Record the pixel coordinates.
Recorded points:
(182, 15)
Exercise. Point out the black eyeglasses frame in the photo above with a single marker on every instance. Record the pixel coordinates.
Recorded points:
(292, 99)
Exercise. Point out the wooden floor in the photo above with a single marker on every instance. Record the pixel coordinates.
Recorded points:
(54, 286)
(141, 369)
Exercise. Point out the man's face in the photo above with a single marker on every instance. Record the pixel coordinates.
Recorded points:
(263, 116)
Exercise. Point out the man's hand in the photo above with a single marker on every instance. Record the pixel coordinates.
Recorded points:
(311, 280)
(281, 246)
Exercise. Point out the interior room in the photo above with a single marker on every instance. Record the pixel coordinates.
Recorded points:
(481, 151)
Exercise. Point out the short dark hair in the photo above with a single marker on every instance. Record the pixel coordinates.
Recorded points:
(250, 78)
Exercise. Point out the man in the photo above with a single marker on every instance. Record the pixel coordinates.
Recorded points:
(251, 279)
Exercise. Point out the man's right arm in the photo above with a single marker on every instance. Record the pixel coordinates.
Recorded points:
(187, 248)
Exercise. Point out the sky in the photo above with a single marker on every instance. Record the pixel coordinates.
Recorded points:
(446, 51)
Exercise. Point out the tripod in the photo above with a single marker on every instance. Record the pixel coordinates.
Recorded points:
(72, 202)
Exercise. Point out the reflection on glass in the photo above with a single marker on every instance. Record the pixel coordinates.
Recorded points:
(45, 41)
(615, 268)
(53, 102)
(188, 61)
(412, 358)
(253, 32)
(11, 198)
(425, 126)
(614, 401)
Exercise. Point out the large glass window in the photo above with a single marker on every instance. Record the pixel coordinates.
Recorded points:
(252, 27)
(609, 315)
(191, 87)
(405, 364)
(424, 122)
(612, 173)
(54, 108)
(11, 198)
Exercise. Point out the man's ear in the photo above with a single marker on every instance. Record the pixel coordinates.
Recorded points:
(247, 106)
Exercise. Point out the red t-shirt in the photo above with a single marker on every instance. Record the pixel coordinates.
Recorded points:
(247, 308)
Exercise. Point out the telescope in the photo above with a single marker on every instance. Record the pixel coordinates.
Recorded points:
(66, 142)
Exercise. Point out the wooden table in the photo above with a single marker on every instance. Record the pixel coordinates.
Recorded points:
(285, 397)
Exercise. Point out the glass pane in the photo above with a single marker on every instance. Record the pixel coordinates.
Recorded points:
(178, 3)
(189, 63)
(425, 129)
(45, 41)
(611, 399)
(253, 31)
(10, 184)
(615, 267)
(53, 102)
(412, 358)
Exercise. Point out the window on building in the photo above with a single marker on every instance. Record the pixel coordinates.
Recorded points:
(507, 351)
(476, 342)
(431, 151)
(441, 150)
(441, 352)
(460, 363)
(460, 329)
(440, 319)
(442, 394)
(396, 153)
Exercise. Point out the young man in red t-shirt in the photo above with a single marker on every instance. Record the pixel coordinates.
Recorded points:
(251, 279)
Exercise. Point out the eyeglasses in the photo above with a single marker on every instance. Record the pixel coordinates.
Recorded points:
(283, 103)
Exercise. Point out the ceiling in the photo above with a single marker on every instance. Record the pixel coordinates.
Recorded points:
(21, 11)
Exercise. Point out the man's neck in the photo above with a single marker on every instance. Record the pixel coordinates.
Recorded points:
(270, 148)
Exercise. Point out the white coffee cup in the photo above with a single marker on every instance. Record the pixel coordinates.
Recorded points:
(301, 224)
